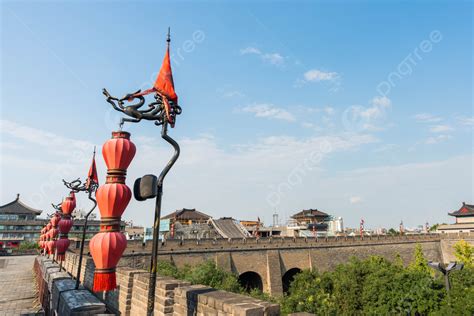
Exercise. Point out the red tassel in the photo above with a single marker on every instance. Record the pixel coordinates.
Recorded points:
(104, 282)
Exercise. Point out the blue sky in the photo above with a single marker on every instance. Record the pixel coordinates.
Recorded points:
(376, 96)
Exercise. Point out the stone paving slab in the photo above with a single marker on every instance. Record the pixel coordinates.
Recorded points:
(18, 294)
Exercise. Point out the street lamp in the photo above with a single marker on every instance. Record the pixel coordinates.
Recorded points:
(446, 270)
(163, 111)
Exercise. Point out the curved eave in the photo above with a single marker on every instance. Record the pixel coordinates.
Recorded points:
(461, 214)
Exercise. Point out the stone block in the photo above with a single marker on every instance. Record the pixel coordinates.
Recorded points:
(79, 302)
(55, 276)
(248, 310)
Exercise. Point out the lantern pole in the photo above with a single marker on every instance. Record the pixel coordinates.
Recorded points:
(83, 238)
(90, 186)
(156, 225)
(57, 207)
(163, 111)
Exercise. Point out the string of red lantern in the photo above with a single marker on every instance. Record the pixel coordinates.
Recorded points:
(107, 246)
(65, 225)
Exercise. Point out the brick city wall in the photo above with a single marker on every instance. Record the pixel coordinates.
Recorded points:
(174, 245)
(448, 241)
(269, 258)
(272, 258)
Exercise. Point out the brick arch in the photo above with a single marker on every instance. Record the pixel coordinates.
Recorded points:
(255, 261)
(288, 277)
(250, 280)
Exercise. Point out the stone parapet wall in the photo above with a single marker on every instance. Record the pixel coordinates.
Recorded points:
(203, 301)
(131, 295)
(190, 245)
(57, 292)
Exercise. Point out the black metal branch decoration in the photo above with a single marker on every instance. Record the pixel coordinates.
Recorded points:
(57, 207)
(155, 111)
(75, 185)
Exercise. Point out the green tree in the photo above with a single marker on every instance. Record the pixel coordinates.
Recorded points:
(309, 292)
(460, 300)
(26, 245)
(398, 261)
(419, 262)
(464, 253)
(393, 232)
(166, 268)
(209, 274)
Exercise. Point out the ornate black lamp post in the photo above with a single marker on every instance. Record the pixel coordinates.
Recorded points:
(446, 270)
(163, 112)
(90, 187)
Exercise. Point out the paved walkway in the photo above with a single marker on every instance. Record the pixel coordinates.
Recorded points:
(18, 293)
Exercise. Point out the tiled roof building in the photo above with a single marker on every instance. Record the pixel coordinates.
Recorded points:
(310, 216)
(187, 216)
(464, 220)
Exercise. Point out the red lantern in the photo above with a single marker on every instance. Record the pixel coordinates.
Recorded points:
(119, 151)
(61, 247)
(106, 249)
(53, 233)
(68, 205)
(65, 225)
(55, 219)
(51, 246)
(113, 197)
(63, 242)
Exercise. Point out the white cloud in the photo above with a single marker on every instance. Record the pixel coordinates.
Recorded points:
(440, 128)
(271, 58)
(307, 125)
(274, 58)
(315, 75)
(468, 121)
(329, 110)
(369, 118)
(250, 50)
(385, 148)
(239, 177)
(60, 144)
(427, 118)
(381, 102)
(269, 111)
(355, 199)
(437, 139)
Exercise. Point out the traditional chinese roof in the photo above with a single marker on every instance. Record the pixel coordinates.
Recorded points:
(187, 214)
(465, 210)
(309, 213)
(18, 207)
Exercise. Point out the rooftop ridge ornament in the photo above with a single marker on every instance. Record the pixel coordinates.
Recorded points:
(163, 111)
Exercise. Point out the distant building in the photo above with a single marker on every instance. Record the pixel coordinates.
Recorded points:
(187, 217)
(464, 220)
(250, 223)
(134, 232)
(20, 222)
(310, 216)
(310, 222)
(335, 226)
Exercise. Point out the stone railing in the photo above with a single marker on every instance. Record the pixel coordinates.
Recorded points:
(173, 297)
